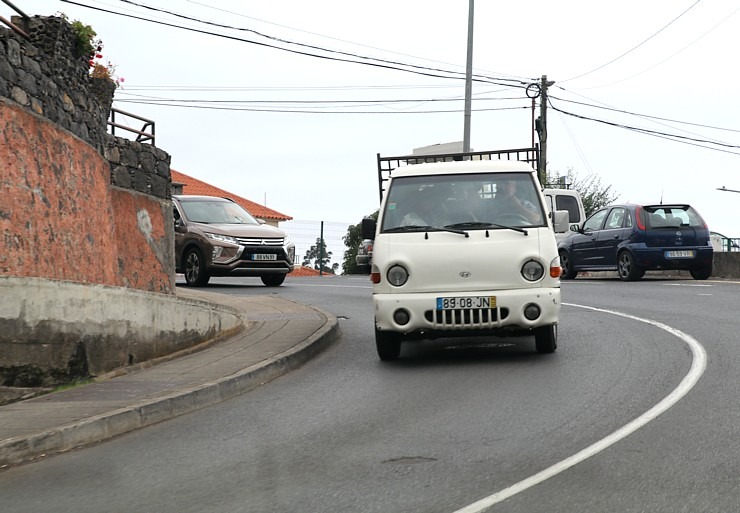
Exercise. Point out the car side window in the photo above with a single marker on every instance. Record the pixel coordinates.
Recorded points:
(615, 219)
(595, 222)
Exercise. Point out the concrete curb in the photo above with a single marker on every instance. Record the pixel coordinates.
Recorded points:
(105, 426)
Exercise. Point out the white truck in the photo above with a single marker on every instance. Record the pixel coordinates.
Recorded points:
(464, 245)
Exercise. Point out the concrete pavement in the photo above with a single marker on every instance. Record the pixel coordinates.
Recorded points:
(278, 335)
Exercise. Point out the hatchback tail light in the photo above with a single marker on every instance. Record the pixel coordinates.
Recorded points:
(640, 218)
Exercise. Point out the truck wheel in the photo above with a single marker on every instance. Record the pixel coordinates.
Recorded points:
(627, 268)
(567, 266)
(195, 268)
(388, 344)
(701, 273)
(546, 338)
(273, 280)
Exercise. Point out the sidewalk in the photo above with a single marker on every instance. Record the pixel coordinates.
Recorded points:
(278, 336)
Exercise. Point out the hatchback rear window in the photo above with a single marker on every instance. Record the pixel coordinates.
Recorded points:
(672, 216)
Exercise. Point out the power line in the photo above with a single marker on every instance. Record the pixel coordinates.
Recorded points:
(646, 115)
(635, 47)
(380, 63)
(677, 138)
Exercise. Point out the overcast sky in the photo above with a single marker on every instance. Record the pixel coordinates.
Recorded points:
(257, 116)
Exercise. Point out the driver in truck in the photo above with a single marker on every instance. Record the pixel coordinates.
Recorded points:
(507, 203)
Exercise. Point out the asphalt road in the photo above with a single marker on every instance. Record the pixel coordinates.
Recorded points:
(637, 411)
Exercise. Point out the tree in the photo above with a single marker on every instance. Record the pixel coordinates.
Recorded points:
(352, 240)
(319, 258)
(593, 194)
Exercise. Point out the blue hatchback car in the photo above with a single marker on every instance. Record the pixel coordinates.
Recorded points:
(632, 239)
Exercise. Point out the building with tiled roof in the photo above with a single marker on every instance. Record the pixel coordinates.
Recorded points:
(184, 184)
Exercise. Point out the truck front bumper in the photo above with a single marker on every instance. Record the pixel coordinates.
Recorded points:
(417, 314)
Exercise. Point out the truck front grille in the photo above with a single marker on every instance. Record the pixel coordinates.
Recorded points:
(472, 318)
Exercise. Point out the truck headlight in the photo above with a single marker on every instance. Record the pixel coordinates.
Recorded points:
(397, 275)
(532, 270)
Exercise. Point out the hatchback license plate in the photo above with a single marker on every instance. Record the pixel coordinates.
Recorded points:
(686, 253)
(455, 303)
(264, 256)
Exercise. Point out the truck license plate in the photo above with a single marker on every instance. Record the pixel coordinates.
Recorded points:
(264, 256)
(456, 303)
(680, 254)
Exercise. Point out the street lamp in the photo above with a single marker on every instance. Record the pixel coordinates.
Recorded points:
(725, 189)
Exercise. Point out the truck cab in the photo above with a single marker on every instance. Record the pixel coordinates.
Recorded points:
(464, 248)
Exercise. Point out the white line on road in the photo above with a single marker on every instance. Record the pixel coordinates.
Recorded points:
(698, 365)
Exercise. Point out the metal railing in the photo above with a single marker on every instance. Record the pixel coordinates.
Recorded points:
(142, 135)
(18, 30)
(729, 244)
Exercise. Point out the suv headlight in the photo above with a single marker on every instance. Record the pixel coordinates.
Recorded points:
(533, 270)
(221, 238)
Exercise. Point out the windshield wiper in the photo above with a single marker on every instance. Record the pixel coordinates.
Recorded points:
(419, 228)
(409, 228)
(478, 224)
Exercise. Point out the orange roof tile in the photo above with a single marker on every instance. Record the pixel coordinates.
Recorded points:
(302, 271)
(194, 187)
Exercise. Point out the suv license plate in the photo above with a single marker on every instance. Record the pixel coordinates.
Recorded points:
(264, 256)
(680, 254)
(456, 303)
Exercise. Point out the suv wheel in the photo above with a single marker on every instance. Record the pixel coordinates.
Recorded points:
(627, 268)
(273, 280)
(195, 268)
(567, 265)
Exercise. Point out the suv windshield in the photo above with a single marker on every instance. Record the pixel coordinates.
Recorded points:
(216, 212)
(466, 201)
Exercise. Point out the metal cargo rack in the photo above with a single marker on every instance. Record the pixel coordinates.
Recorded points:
(387, 164)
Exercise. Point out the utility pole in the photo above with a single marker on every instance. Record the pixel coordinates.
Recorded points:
(468, 81)
(542, 163)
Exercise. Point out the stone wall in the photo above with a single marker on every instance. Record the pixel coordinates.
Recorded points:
(83, 214)
(79, 204)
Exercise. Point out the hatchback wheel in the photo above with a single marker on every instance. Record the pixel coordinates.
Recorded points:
(273, 280)
(701, 273)
(627, 268)
(546, 338)
(567, 266)
(195, 268)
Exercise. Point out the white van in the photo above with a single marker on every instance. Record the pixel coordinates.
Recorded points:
(566, 199)
(464, 248)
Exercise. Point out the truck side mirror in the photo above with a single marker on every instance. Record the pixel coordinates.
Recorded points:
(368, 228)
(561, 221)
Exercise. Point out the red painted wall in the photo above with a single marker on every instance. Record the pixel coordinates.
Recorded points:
(61, 219)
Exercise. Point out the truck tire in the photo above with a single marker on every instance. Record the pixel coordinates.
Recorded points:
(194, 266)
(273, 280)
(546, 338)
(388, 344)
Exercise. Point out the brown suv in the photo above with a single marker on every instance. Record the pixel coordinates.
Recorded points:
(217, 237)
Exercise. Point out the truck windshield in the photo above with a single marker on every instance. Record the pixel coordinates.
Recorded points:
(469, 201)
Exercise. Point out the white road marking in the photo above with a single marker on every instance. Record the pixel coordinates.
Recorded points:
(698, 365)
